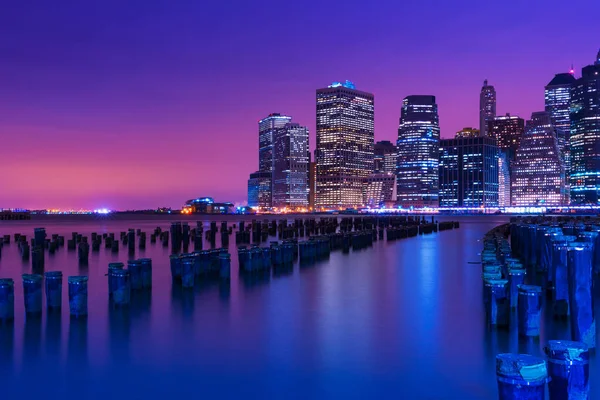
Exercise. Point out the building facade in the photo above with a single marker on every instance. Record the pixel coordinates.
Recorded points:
(259, 190)
(469, 172)
(503, 179)
(487, 107)
(290, 167)
(345, 145)
(266, 128)
(467, 133)
(417, 175)
(385, 157)
(380, 190)
(538, 172)
(584, 142)
(508, 131)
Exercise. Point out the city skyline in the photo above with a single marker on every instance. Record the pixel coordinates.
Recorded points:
(92, 107)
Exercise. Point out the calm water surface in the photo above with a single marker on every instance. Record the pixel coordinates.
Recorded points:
(402, 319)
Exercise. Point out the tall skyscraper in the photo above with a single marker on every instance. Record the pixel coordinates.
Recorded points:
(585, 136)
(508, 131)
(385, 157)
(538, 172)
(468, 133)
(503, 179)
(487, 107)
(345, 141)
(266, 127)
(469, 172)
(290, 167)
(418, 149)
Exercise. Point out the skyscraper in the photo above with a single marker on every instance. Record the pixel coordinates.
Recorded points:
(345, 141)
(508, 131)
(585, 136)
(290, 166)
(385, 157)
(468, 132)
(487, 107)
(418, 149)
(469, 172)
(266, 127)
(538, 172)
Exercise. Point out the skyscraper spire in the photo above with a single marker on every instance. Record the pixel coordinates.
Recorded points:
(598, 58)
(572, 70)
(487, 107)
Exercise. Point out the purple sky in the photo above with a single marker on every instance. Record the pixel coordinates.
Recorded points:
(135, 104)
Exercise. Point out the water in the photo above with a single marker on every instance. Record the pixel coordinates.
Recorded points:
(401, 319)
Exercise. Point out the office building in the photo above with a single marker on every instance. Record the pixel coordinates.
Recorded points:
(345, 145)
(469, 172)
(266, 128)
(418, 145)
(259, 190)
(467, 133)
(508, 131)
(487, 107)
(538, 171)
(312, 184)
(584, 143)
(290, 167)
(385, 157)
(503, 178)
(380, 190)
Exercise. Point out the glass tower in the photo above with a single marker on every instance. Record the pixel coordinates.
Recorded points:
(418, 148)
(538, 172)
(259, 190)
(266, 128)
(469, 172)
(487, 107)
(584, 143)
(290, 167)
(345, 145)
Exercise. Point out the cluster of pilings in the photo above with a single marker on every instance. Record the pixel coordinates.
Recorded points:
(32, 295)
(564, 259)
(121, 282)
(190, 268)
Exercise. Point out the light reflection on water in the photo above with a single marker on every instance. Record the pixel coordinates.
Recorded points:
(400, 319)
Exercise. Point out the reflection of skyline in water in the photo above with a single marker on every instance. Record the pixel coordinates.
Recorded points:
(369, 323)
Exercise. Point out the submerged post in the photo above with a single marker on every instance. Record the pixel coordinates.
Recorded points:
(53, 289)
(521, 377)
(32, 293)
(78, 295)
(7, 299)
(569, 370)
(579, 264)
(530, 310)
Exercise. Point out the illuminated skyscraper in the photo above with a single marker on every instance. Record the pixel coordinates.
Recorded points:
(585, 136)
(538, 172)
(469, 172)
(467, 133)
(345, 141)
(259, 190)
(385, 157)
(290, 166)
(508, 131)
(503, 179)
(266, 127)
(380, 190)
(418, 149)
(487, 107)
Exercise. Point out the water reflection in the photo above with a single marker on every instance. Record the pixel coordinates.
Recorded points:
(32, 339)
(77, 349)
(53, 334)
(119, 320)
(7, 335)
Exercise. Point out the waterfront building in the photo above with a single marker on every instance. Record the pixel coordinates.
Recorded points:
(207, 205)
(290, 167)
(468, 133)
(385, 157)
(266, 129)
(259, 190)
(487, 107)
(345, 145)
(469, 172)
(538, 171)
(584, 142)
(418, 153)
(503, 178)
(380, 190)
(312, 185)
